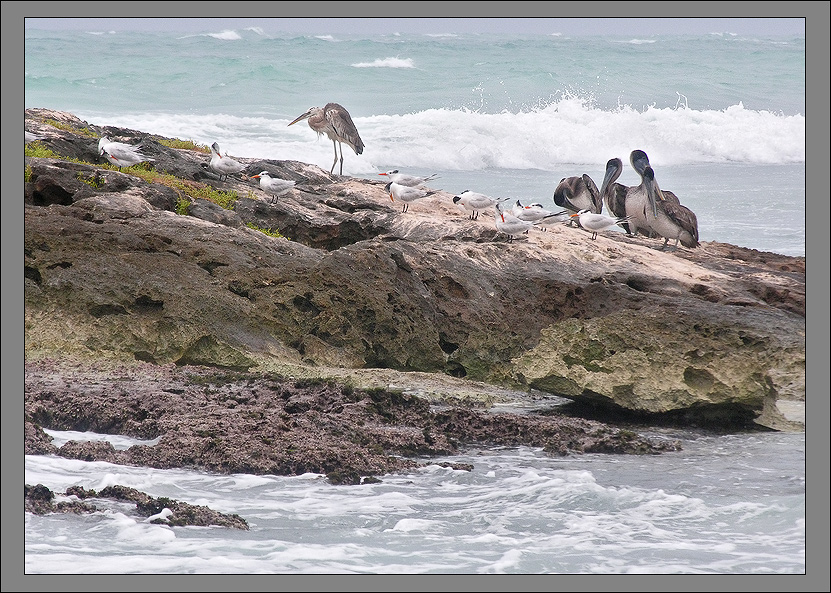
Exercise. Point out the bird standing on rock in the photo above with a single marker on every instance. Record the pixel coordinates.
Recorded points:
(334, 121)
(408, 180)
(406, 194)
(659, 212)
(273, 185)
(120, 154)
(535, 212)
(578, 193)
(509, 224)
(597, 222)
(613, 193)
(223, 165)
(474, 202)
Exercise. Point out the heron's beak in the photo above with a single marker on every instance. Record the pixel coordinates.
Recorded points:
(300, 117)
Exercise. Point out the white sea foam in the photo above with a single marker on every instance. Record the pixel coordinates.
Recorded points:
(568, 131)
(226, 35)
(386, 63)
(517, 511)
(119, 442)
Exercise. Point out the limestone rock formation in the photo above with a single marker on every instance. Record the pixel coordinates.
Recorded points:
(113, 268)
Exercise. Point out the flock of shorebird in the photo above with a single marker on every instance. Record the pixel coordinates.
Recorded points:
(644, 209)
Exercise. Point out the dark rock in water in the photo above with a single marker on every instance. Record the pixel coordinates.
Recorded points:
(355, 290)
(243, 422)
(40, 501)
(36, 441)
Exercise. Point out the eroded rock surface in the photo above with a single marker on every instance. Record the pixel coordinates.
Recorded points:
(230, 422)
(112, 270)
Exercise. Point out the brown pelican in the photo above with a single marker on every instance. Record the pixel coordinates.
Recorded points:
(641, 201)
(578, 193)
(659, 211)
(334, 121)
(614, 194)
(675, 221)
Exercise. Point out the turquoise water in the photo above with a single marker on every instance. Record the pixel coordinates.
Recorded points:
(722, 117)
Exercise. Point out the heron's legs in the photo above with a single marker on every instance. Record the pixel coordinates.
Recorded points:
(335, 162)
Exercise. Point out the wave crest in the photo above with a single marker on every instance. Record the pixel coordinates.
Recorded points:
(386, 63)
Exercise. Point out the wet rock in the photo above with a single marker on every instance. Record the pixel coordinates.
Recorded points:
(40, 500)
(244, 422)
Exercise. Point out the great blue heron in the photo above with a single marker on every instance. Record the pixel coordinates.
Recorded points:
(659, 211)
(223, 165)
(120, 154)
(334, 121)
(594, 222)
(273, 185)
(408, 180)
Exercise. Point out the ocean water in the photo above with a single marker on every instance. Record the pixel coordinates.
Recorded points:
(731, 504)
(722, 118)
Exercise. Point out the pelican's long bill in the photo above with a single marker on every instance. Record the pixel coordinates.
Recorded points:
(651, 189)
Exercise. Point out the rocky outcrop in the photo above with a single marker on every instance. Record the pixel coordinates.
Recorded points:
(112, 269)
(261, 423)
(40, 500)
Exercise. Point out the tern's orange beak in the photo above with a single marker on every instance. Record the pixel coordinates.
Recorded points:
(253, 176)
